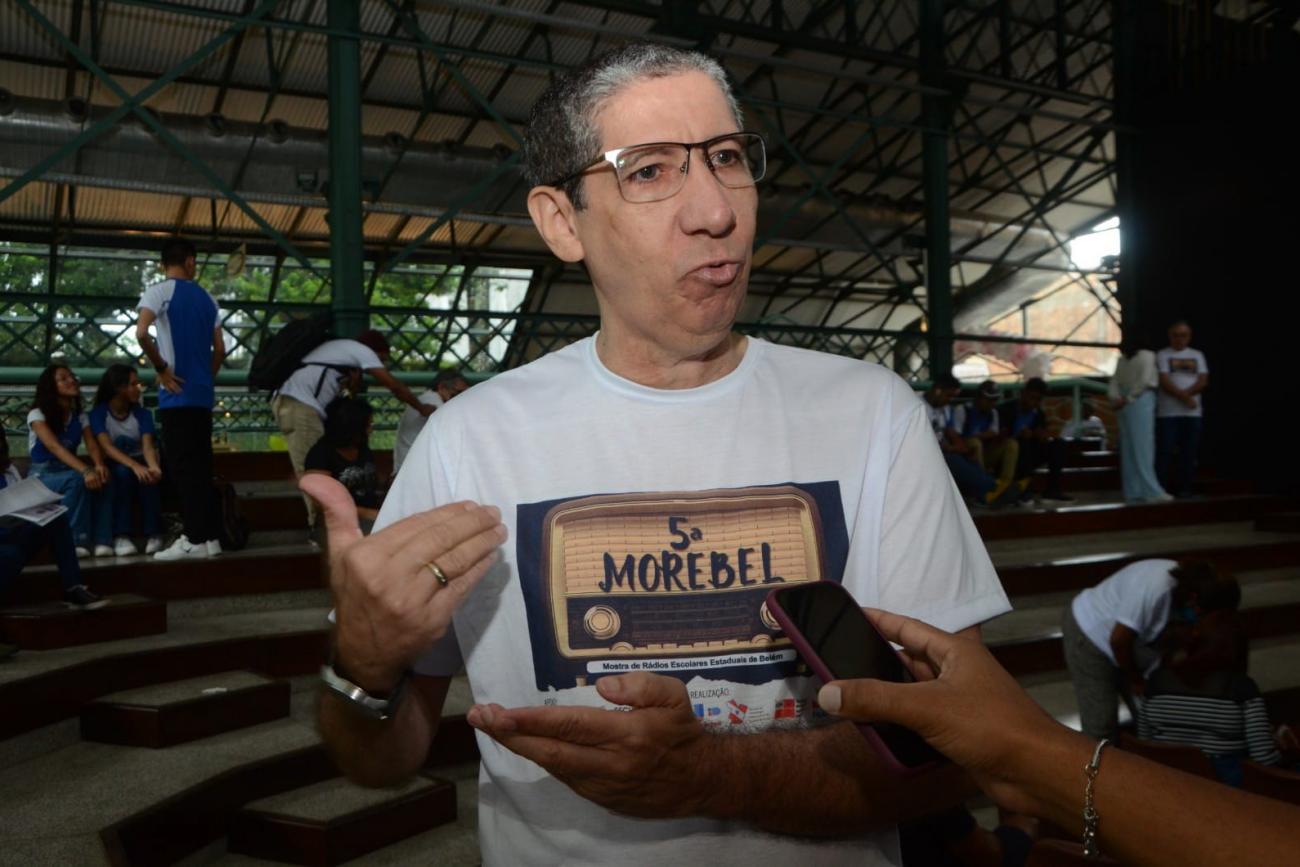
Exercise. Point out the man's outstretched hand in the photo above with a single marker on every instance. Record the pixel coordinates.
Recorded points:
(389, 607)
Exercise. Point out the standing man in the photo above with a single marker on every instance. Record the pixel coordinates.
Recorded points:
(446, 385)
(1183, 376)
(186, 356)
(654, 482)
(334, 366)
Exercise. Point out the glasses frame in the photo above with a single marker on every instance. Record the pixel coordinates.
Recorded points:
(611, 158)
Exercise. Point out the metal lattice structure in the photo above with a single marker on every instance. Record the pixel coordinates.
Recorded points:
(932, 162)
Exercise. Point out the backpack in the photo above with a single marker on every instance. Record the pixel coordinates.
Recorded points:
(278, 357)
(232, 529)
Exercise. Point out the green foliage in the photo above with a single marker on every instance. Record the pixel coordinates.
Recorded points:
(408, 305)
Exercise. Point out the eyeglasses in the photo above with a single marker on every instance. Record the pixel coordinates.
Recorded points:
(657, 171)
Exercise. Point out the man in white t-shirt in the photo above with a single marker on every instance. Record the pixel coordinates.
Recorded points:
(335, 366)
(1183, 376)
(446, 385)
(636, 703)
(1109, 632)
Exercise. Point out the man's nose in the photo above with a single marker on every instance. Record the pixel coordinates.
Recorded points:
(706, 203)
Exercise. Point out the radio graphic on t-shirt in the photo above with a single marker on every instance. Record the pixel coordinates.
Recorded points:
(672, 583)
(1183, 365)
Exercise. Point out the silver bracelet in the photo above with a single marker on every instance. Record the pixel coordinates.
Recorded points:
(1090, 816)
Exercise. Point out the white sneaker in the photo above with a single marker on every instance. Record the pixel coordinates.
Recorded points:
(181, 549)
(154, 545)
(83, 551)
(103, 550)
(124, 547)
(213, 546)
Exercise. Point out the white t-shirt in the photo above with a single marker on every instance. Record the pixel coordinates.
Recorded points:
(316, 385)
(793, 466)
(410, 425)
(1184, 367)
(943, 417)
(1137, 596)
(1134, 376)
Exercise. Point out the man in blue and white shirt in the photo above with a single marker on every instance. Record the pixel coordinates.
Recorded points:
(187, 355)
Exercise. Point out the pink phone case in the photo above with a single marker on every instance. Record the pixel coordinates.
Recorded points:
(824, 675)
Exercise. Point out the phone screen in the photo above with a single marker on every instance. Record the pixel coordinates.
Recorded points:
(834, 629)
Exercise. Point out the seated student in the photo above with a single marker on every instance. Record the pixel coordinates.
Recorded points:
(946, 421)
(1201, 696)
(125, 431)
(56, 425)
(344, 453)
(20, 539)
(1023, 419)
(981, 429)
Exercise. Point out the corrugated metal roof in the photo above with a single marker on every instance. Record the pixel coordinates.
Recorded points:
(171, 39)
(33, 203)
(31, 81)
(118, 207)
(21, 34)
(151, 41)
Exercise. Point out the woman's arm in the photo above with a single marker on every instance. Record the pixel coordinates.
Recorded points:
(151, 457)
(976, 714)
(117, 455)
(96, 457)
(58, 449)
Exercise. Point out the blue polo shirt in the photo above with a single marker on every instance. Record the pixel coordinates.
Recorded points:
(187, 316)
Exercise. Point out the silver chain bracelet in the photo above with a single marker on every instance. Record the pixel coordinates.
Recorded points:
(1090, 816)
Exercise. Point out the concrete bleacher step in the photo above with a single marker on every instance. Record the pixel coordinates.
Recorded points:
(37, 689)
(453, 844)
(173, 713)
(1112, 514)
(1278, 522)
(238, 467)
(259, 568)
(1076, 478)
(1096, 458)
(52, 625)
(1027, 640)
(1057, 563)
(192, 822)
(274, 511)
(66, 806)
(335, 821)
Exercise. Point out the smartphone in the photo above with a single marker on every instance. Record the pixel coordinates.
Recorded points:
(838, 642)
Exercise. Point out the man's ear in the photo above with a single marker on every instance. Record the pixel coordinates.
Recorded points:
(553, 215)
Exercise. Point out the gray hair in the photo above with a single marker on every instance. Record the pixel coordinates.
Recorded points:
(562, 136)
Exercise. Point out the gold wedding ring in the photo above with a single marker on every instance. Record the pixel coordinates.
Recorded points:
(437, 573)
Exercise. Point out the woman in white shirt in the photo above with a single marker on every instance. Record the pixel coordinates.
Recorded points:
(1133, 394)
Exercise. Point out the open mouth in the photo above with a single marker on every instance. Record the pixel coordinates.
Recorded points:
(718, 273)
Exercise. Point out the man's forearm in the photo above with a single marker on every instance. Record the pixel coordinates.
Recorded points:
(150, 348)
(823, 782)
(376, 753)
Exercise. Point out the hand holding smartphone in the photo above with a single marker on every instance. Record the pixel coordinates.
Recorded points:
(839, 643)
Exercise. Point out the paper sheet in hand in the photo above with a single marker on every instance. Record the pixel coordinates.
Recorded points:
(30, 500)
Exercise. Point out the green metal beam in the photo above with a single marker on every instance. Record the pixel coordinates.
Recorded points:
(166, 135)
(937, 117)
(129, 103)
(348, 297)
